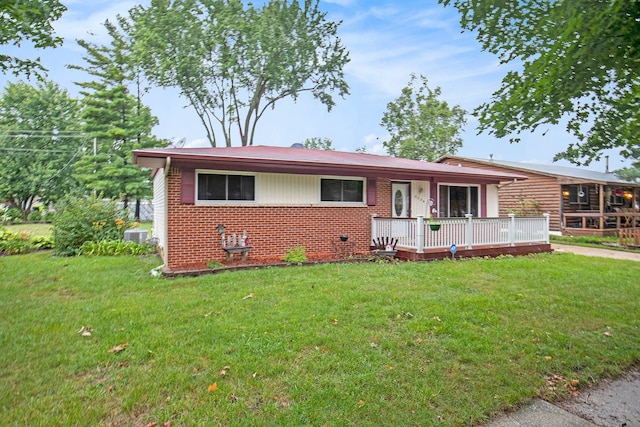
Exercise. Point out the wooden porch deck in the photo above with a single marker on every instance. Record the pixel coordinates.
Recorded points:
(408, 254)
(591, 223)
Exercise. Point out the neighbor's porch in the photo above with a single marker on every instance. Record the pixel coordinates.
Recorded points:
(598, 209)
(467, 236)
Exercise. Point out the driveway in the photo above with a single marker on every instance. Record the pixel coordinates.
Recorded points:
(605, 253)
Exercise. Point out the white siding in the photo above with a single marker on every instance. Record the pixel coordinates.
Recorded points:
(284, 189)
(420, 198)
(492, 201)
(159, 230)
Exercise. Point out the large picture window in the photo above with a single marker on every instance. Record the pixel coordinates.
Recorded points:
(457, 201)
(226, 187)
(341, 190)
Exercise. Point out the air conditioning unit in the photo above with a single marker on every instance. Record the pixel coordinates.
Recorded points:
(137, 235)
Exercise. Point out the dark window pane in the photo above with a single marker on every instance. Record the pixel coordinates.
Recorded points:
(331, 190)
(225, 187)
(443, 206)
(241, 187)
(352, 191)
(211, 187)
(341, 190)
(474, 201)
(458, 201)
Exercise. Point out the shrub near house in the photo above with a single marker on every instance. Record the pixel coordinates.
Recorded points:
(22, 242)
(87, 220)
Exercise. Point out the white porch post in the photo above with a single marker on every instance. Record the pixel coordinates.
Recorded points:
(546, 227)
(374, 232)
(469, 230)
(512, 229)
(420, 234)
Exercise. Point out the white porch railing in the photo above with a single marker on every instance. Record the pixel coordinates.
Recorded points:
(468, 232)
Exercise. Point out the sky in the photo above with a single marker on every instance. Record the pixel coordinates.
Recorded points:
(387, 41)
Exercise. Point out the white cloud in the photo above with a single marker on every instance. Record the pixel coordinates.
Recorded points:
(82, 22)
(340, 2)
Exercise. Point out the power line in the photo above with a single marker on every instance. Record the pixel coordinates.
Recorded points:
(43, 134)
(36, 150)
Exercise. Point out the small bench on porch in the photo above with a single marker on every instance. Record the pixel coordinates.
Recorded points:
(242, 250)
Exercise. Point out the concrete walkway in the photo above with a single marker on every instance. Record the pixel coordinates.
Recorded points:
(605, 253)
(612, 403)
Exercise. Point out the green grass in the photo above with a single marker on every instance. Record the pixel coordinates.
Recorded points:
(441, 343)
(35, 229)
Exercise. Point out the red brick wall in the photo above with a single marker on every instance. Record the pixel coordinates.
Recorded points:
(192, 239)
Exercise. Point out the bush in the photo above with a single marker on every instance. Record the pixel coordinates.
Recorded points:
(11, 215)
(15, 243)
(35, 216)
(42, 242)
(90, 219)
(49, 216)
(296, 254)
(22, 242)
(115, 247)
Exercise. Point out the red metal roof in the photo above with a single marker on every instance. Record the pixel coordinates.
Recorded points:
(260, 158)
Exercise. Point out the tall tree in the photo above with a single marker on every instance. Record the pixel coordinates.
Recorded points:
(318, 143)
(580, 61)
(116, 118)
(30, 21)
(233, 63)
(421, 126)
(631, 173)
(39, 142)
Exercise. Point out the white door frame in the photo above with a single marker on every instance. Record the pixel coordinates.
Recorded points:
(402, 191)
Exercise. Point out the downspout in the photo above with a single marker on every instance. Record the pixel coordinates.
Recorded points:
(165, 249)
(167, 165)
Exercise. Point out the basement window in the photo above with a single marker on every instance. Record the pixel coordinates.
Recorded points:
(226, 187)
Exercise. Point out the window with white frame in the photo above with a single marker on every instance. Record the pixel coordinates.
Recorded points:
(459, 200)
(222, 187)
(341, 190)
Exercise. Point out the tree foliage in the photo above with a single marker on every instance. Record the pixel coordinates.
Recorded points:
(27, 20)
(233, 63)
(421, 126)
(318, 143)
(116, 118)
(580, 62)
(632, 173)
(39, 142)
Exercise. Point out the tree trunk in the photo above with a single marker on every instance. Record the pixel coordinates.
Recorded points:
(137, 212)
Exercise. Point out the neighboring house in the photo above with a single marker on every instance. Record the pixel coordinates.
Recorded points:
(286, 196)
(579, 201)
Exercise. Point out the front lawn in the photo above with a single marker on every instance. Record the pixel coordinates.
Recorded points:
(98, 341)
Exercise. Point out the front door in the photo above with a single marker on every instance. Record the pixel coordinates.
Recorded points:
(400, 200)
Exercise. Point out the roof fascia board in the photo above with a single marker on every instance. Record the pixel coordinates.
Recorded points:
(302, 168)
